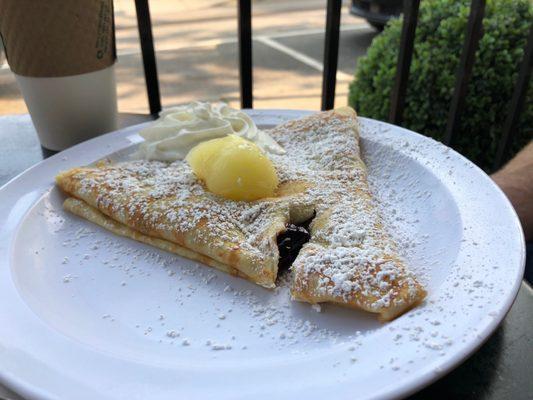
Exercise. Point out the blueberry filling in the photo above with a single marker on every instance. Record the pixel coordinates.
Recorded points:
(290, 243)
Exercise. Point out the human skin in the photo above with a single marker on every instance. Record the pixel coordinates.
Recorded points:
(516, 181)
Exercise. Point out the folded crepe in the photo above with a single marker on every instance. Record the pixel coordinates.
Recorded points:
(349, 260)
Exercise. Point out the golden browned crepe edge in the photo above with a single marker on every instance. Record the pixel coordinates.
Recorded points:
(263, 274)
(308, 295)
(83, 210)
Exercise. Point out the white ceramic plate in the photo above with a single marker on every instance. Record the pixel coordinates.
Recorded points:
(88, 315)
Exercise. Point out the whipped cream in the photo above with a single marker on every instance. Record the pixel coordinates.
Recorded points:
(179, 129)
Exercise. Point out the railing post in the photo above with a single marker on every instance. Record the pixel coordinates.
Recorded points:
(149, 63)
(464, 71)
(245, 52)
(399, 91)
(516, 104)
(331, 54)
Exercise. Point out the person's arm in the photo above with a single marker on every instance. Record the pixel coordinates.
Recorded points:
(516, 181)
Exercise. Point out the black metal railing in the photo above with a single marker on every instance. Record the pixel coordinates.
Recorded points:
(245, 52)
(517, 104)
(474, 32)
(144, 23)
(331, 53)
(330, 64)
(407, 42)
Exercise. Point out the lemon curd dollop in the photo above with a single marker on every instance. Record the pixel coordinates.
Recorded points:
(234, 168)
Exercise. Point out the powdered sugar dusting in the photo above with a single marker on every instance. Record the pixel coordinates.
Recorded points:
(349, 247)
(436, 206)
(350, 255)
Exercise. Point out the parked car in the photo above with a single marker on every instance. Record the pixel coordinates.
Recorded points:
(376, 12)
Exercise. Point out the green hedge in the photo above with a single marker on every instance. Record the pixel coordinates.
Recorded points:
(439, 40)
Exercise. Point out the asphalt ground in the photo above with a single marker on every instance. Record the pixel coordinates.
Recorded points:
(196, 50)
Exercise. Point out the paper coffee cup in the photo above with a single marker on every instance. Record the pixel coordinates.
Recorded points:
(63, 55)
(71, 109)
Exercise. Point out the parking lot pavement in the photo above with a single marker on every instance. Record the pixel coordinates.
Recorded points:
(196, 49)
